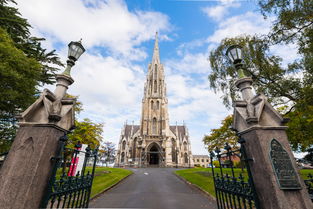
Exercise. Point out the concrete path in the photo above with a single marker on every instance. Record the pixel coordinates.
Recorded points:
(155, 188)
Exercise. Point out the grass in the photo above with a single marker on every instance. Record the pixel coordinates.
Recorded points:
(202, 177)
(106, 177)
(103, 178)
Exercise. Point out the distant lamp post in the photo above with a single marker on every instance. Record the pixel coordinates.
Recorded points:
(75, 50)
(234, 54)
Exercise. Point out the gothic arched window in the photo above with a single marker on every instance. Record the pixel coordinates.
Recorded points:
(185, 146)
(158, 105)
(154, 126)
(123, 145)
(134, 148)
(155, 71)
(122, 157)
(174, 154)
(155, 86)
(152, 105)
(186, 158)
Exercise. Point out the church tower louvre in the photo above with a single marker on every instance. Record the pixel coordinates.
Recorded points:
(154, 142)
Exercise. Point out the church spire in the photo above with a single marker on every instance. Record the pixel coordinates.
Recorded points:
(156, 53)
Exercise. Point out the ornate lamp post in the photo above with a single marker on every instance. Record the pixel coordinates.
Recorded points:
(27, 169)
(263, 137)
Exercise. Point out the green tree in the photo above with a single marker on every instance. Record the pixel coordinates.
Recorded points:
(19, 77)
(20, 80)
(222, 135)
(86, 132)
(309, 157)
(19, 30)
(263, 67)
(107, 152)
(293, 24)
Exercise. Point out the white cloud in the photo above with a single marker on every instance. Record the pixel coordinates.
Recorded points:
(99, 23)
(219, 11)
(190, 63)
(245, 24)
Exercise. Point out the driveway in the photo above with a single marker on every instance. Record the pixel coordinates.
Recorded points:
(155, 188)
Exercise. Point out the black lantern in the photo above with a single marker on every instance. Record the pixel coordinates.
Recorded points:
(75, 50)
(234, 53)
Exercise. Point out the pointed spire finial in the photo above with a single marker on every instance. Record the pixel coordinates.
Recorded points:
(156, 55)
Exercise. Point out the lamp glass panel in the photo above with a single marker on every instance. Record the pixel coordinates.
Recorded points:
(234, 54)
(75, 50)
(239, 53)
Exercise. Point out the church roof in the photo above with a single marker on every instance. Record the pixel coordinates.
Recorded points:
(181, 130)
(128, 129)
(200, 156)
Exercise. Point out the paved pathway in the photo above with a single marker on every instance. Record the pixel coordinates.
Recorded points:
(155, 188)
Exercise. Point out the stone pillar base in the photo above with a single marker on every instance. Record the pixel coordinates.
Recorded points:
(271, 196)
(26, 170)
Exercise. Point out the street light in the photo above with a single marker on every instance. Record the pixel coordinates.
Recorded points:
(75, 50)
(234, 54)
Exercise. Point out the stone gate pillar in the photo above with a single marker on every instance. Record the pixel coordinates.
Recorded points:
(25, 173)
(273, 166)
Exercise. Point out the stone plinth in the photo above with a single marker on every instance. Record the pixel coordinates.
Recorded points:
(273, 167)
(271, 196)
(26, 170)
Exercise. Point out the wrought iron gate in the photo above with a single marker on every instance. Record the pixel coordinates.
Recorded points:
(233, 190)
(69, 186)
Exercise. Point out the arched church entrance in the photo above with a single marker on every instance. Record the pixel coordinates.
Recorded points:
(154, 155)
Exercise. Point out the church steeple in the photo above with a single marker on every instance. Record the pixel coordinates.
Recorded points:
(154, 119)
(156, 53)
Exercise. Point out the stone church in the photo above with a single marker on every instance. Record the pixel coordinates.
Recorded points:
(154, 142)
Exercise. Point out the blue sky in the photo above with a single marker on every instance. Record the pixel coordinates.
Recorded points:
(119, 37)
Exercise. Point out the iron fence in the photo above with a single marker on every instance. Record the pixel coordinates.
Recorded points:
(233, 189)
(309, 184)
(71, 180)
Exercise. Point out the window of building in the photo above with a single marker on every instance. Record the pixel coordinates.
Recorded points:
(155, 71)
(202, 160)
(123, 145)
(152, 105)
(185, 146)
(174, 152)
(154, 126)
(197, 160)
(134, 148)
(186, 158)
(207, 160)
(155, 86)
(158, 105)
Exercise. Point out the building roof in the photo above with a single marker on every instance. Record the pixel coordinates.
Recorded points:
(181, 130)
(128, 129)
(200, 156)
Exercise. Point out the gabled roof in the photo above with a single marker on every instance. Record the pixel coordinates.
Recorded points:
(128, 129)
(181, 130)
(200, 156)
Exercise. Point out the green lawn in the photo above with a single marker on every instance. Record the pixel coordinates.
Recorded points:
(103, 178)
(202, 177)
(106, 177)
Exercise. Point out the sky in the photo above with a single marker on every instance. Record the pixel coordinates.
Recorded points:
(119, 37)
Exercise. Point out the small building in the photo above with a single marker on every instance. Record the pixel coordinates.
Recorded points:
(201, 161)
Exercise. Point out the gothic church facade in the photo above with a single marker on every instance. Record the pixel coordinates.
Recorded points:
(154, 142)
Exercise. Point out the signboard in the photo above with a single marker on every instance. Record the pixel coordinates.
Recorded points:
(286, 175)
